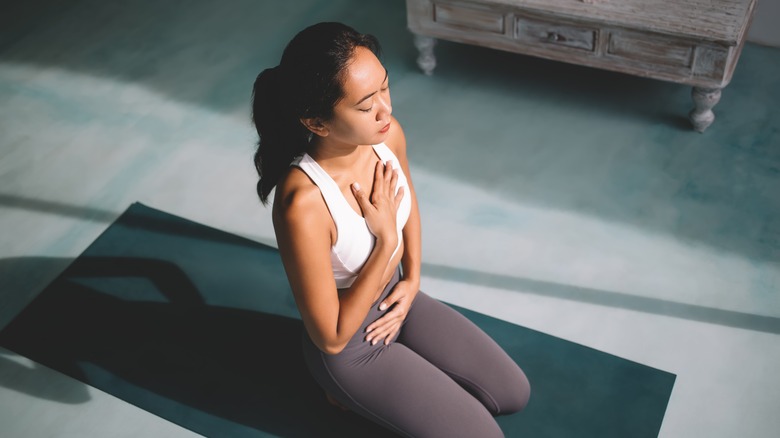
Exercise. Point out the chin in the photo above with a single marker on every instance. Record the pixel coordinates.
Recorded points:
(382, 136)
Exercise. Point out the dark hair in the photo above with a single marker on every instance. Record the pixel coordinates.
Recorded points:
(307, 83)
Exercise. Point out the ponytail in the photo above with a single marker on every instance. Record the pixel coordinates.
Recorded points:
(308, 83)
(282, 136)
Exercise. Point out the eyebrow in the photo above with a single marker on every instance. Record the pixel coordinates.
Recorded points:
(373, 93)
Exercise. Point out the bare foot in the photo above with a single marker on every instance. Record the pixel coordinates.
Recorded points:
(335, 402)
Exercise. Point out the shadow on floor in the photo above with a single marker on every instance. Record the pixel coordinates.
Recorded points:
(158, 345)
(200, 331)
(40, 382)
(17, 272)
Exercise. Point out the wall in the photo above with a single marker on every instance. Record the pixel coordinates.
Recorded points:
(765, 29)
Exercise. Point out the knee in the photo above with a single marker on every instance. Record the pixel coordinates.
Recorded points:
(516, 396)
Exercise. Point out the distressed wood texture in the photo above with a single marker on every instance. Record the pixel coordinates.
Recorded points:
(694, 42)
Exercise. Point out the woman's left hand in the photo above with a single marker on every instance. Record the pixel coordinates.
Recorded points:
(399, 302)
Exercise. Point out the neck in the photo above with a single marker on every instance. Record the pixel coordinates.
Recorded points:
(333, 156)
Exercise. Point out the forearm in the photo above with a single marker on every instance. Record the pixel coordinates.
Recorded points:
(404, 293)
(355, 302)
(412, 235)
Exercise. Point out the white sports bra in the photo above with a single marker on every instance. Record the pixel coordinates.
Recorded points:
(355, 242)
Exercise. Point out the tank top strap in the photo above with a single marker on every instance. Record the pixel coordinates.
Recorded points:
(385, 154)
(334, 199)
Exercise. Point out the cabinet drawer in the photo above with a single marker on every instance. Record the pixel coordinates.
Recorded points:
(469, 18)
(551, 34)
(653, 50)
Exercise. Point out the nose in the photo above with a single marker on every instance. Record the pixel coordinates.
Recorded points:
(385, 108)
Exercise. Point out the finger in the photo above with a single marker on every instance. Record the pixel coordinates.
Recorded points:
(384, 323)
(399, 197)
(360, 195)
(385, 333)
(387, 175)
(397, 295)
(376, 327)
(393, 182)
(391, 299)
(379, 174)
(392, 334)
(378, 180)
(389, 334)
(381, 323)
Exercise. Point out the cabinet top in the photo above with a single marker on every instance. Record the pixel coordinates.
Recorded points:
(715, 20)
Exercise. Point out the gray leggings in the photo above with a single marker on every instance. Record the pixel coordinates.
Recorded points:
(440, 377)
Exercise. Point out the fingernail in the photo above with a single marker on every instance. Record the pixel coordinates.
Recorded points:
(356, 186)
(382, 306)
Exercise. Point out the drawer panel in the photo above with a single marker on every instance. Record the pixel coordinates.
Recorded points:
(468, 18)
(555, 34)
(648, 49)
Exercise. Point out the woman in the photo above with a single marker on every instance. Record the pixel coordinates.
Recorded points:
(345, 216)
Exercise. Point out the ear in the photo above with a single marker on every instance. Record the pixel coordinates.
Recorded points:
(316, 126)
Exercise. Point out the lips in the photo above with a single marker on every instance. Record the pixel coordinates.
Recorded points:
(385, 129)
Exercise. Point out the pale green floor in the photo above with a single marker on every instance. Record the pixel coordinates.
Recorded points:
(568, 200)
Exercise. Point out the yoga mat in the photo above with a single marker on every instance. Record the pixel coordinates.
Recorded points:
(199, 327)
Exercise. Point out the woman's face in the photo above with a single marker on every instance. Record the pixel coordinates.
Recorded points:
(362, 116)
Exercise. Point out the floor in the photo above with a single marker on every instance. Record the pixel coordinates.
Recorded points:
(569, 200)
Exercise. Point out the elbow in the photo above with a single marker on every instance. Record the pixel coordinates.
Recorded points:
(329, 346)
(333, 349)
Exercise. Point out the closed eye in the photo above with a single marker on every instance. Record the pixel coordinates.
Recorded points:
(383, 90)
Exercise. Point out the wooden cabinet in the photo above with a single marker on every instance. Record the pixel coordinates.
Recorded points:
(693, 42)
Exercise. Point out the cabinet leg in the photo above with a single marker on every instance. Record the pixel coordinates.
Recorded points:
(426, 61)
(701, 116)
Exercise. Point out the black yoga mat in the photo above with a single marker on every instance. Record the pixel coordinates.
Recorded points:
(198, 326)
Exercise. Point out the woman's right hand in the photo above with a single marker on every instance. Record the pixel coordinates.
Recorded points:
(380, 210)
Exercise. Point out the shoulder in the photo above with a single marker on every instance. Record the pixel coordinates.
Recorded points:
(297, 199)
(396, 140)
